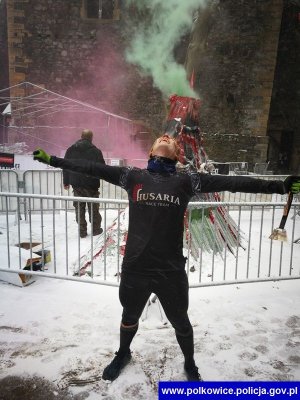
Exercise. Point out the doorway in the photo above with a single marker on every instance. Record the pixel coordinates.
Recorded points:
(285, 151)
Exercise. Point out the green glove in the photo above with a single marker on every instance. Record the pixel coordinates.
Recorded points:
(292, 184)
(42, 156)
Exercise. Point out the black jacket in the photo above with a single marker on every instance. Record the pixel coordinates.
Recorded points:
(83, 149)
(157, 203)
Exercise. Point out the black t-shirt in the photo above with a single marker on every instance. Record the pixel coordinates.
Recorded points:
(157, 204)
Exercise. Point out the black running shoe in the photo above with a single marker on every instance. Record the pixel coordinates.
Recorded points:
(191, 372)
(113, 370)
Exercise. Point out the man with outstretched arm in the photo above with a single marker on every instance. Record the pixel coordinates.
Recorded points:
(153, 260)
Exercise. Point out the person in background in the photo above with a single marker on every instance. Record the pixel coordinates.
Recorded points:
(153, 261)
(84, 185)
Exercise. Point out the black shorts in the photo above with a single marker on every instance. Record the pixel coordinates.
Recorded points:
(171, 289)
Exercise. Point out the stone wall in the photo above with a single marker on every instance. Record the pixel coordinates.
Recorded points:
(53, 44)
(233, 52)
(235, 148)
(284, 120)
(4, 81)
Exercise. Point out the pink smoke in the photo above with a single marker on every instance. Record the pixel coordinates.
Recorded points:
(103, 83)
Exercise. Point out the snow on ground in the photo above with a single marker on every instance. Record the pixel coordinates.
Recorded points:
(67, 332)
(57, 336)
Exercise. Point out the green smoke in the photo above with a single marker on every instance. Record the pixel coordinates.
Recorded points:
(156, 35)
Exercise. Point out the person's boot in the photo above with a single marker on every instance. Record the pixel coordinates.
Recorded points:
(97, 231)
(191, 372)
(113, 370)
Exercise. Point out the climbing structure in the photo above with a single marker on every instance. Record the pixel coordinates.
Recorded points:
(207, 228)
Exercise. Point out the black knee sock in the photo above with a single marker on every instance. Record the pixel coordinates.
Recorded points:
(126, 336)
(186, 343)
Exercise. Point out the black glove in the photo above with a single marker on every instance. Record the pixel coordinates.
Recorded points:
(292, 184)
(42, 156)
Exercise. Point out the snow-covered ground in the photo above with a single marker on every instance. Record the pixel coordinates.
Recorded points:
(57, 335)
(67, 332)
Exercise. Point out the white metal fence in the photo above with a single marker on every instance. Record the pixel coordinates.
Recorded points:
(45, 182)
(50, 182)
(8, 183)
(50, 230)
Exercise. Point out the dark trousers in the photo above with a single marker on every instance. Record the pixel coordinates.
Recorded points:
(171, 290)
(93, 210)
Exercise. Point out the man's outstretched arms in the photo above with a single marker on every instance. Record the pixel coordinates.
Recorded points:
(98, 170)
(218, 183)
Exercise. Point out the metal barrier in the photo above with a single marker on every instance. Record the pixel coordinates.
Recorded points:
(43, 182)
(50, 182)
(8, 183)
(46, 182)
(97, 259)
(110, 191)
(255, 197)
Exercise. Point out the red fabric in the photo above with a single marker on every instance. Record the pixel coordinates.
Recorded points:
(184, 108)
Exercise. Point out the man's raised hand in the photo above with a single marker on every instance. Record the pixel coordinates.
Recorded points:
(292, 184)
(42, 156)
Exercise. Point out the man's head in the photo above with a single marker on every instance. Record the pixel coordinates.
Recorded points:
(87, 134)
(165, 146)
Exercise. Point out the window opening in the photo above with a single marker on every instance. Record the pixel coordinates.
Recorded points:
(100, 9)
